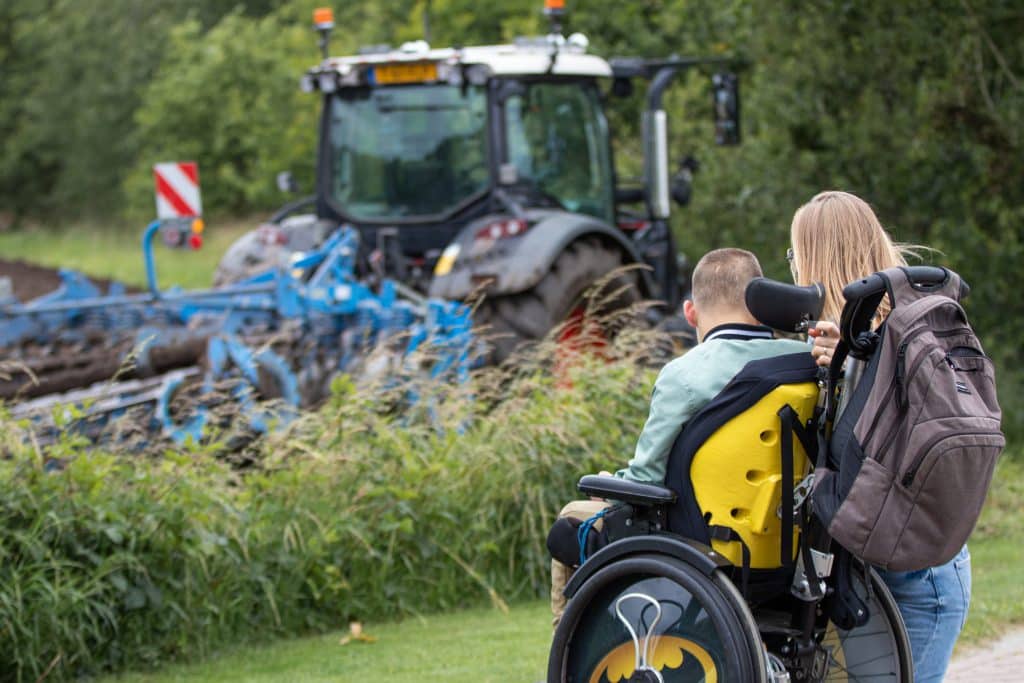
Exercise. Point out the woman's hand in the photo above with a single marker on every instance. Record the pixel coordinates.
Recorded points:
(826, 337)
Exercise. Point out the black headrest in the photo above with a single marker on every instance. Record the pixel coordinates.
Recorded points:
(783, 306)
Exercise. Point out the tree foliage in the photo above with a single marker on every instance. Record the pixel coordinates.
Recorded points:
(236, 110)
(917, 106)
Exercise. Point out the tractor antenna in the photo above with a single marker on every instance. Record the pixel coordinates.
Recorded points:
(426, 21)
(554, 10)
(323, 22)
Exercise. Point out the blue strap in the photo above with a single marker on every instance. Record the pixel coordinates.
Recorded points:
(584, 531)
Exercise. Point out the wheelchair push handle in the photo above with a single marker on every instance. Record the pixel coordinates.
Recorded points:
(925, 277)
(864, 296)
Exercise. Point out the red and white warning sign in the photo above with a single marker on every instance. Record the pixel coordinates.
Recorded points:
(177, 190)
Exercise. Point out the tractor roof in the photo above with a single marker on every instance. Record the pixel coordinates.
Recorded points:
(525, 57)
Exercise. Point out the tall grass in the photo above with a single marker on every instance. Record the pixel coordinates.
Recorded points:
(357, 512)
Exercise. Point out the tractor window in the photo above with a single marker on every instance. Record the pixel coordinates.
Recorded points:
(558, 141)
(407, 151)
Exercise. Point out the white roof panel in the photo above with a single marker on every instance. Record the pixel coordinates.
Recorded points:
(501, 60)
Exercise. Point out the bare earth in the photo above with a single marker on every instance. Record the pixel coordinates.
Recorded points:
(999, 662)
(30, 280)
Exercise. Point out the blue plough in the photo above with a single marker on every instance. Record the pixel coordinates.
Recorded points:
(168, 357)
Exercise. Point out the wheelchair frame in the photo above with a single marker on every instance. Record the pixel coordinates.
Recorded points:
(785, 637)
(781, 639)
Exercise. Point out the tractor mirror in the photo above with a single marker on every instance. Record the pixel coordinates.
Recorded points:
(286, 182)
(725, 89)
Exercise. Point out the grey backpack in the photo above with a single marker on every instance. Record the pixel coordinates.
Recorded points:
(911, 456)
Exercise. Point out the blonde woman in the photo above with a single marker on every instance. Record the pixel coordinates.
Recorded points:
(836, 239)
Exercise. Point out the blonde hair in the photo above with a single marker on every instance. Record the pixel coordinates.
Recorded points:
(837, 239)
(721, 277)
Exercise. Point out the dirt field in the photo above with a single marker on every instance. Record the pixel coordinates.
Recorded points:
(30, 281)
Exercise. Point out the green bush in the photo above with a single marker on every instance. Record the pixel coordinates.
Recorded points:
(115, 561)
(229, 98)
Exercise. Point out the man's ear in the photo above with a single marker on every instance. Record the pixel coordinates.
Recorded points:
(690, 312)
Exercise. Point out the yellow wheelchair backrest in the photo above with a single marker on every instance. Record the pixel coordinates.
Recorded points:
(737, 474)
(729, 465)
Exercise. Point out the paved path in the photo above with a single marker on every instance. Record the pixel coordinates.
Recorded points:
(998, 662)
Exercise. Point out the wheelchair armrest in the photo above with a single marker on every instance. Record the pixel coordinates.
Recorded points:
(625, 490)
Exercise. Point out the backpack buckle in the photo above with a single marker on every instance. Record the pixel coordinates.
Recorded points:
(800, 494)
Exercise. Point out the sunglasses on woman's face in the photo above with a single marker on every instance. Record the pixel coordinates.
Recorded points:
(792, 265)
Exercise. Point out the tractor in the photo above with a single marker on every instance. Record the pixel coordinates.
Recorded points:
(488, 170)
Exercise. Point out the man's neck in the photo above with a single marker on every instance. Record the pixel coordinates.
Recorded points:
(709, 322)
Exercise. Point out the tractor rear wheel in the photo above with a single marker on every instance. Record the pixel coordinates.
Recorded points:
(562, 296)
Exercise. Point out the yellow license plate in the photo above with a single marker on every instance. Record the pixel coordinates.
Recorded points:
(405, 73)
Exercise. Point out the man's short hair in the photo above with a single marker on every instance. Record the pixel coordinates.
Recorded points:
(720, 278)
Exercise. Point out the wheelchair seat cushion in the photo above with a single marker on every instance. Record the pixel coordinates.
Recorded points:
(726, 465)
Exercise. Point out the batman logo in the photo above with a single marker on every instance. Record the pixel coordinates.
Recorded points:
(667, 652)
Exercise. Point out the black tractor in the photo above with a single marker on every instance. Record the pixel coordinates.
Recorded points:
(487, 172)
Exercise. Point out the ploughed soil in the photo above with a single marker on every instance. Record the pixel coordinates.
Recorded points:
(30, 280)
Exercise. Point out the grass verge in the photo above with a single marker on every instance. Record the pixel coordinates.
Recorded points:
(115, 252)
(997, 555)
(471, 646)
(479, 645)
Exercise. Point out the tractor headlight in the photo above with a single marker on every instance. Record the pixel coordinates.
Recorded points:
(447, 260)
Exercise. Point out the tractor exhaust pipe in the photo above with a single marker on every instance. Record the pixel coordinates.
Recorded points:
(655, 132)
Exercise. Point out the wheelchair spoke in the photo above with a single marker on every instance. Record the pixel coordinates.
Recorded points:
(853, 635)
(837, 670)
(853, 678)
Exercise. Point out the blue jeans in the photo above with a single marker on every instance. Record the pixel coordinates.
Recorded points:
(934, 605)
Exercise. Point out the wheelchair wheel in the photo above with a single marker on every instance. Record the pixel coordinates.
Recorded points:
(877, 651)
(656, 619)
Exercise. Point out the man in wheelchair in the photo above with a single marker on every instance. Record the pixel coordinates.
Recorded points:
(698, 570)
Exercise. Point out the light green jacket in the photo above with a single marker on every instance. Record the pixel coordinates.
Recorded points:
(686, 385)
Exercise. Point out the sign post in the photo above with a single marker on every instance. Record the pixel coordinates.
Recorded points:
(179, 206)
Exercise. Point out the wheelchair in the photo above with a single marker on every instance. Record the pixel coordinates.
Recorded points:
(724, 573)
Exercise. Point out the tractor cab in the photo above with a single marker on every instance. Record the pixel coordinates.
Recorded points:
(421, 137)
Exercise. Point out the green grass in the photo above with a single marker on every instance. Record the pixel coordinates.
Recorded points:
(997, 556)
(487, 645)
(473, 646)
(115, 251)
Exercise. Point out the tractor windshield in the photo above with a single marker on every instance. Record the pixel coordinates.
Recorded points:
(405, 151)
(558, 142)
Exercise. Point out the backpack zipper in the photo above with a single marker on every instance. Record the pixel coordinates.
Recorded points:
(908, 478)
(896, 387)
(896, 383)
(901, 359)
(951, 357)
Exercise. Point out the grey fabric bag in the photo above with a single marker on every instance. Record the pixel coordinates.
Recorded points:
(912, 455)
